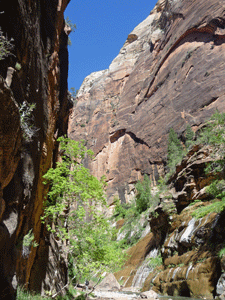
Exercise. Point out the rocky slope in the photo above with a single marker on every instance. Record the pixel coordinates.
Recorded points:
(169, 73)
(34, 76)
(179, 257)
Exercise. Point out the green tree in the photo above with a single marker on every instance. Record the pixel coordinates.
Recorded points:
(143, 195)
(189, 136)
(73, 213)
(213, 134)
(174, 151)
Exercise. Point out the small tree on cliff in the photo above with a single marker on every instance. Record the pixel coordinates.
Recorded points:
(72, 213)
(174, 151)
(143, 195)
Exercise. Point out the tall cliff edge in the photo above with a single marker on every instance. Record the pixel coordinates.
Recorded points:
(169, 73)
(34, 79)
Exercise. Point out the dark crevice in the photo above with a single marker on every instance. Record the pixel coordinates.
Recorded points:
(214, 99)
(117, 134)
(136, 139)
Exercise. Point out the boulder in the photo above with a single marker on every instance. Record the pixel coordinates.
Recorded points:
(109, 283)
(149, 295)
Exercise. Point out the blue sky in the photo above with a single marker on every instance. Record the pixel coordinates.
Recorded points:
(102, 29)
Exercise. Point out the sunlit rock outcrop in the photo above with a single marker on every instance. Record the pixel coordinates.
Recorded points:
(169, 73)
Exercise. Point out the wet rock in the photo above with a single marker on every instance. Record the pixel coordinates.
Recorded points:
(149, 295)
(220, 287)
(221, 297)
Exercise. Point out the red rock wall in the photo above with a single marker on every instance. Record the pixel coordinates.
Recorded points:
(168, 73)
(40, 51)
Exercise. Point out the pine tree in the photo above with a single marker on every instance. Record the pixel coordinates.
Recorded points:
(189, 136)
(174, 150)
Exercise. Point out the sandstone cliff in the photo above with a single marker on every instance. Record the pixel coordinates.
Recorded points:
(169, 73)
(34, 75)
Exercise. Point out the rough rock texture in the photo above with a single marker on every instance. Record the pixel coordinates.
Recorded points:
(36, 72)
(189, 247)
(170, 72)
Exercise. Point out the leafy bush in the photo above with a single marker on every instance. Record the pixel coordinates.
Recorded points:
(72, 213)
(143, 195)
(155, 261)
(27, 120)
(213, 134)
(221, 252)
(216, 206)
(189, 136)
(120, 210)
(174, 151)
(5, 46)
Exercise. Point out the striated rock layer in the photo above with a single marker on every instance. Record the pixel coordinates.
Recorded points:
(169, 73)
(179, 257)
(34, 73)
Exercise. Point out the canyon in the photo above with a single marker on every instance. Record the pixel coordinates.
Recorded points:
(33, 80)
(168, 74)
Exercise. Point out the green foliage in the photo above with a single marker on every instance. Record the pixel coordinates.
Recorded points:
(22, 294)
(133, 227)
(143, 195)
(189, 136)
(72, 213)
(174, 151)
(215, 206)
(213, 134)
(155, 261)
(5, 46)
(194, 202)
(26, 120)
(73, 26)
(121, 209)
(28, 240)
(217, 190)
(221, 252)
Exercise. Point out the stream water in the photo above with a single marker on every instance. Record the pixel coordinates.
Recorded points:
(128, 295)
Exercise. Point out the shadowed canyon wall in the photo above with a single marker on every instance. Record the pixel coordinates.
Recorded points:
(35, 73)
(169, 73)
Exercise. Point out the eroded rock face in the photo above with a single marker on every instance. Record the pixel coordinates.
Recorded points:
(10, 148)
(36, 74)
(168, 73)
(188, 245)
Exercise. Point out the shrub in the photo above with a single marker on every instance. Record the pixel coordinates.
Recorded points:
(143, 195)
(26, 120)
(216, 207)
(174, 151)
(155, 261)
(73, 207)
(189, 136)
(5, 46)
